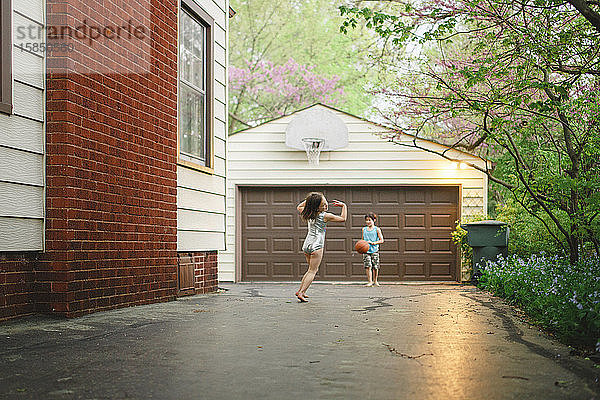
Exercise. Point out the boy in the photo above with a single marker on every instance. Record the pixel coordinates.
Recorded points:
(372, 234)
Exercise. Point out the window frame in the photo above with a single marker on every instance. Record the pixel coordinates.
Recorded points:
(208, 22)
(6, 104)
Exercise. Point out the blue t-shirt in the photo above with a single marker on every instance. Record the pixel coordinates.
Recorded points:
(371, 236)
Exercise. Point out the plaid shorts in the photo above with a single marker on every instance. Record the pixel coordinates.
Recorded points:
(371, 260)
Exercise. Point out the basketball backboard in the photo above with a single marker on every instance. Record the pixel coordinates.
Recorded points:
(315, 130)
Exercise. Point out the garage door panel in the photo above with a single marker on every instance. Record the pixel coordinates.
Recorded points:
(283, 269)
(256, 221)
(284, 197)
(357, 221)
(446, 196)
(256, 245)
(416, 231)
(302, 267)
(391, 270)
(415, 245)
(334, 194)
(414, 270)
(335, 269)
(258, 269)
(358, 268)
(414, 196)
(283, 245)
(289, 211)
(441, 246)
(442, 221)
(390, 221)
(389, 197)
(337, 226)
(339, 245)
(256, 196)
(283, 221)
(391, 245)
(414, 221)
(441, 270)
(361, 196)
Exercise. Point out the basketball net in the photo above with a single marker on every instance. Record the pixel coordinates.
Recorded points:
(313, 147)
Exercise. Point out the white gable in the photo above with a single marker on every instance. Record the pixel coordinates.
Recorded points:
(267, 142)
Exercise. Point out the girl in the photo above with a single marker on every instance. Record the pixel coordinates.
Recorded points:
(312, 210)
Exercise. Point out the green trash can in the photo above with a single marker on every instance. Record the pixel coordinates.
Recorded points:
(488, 239)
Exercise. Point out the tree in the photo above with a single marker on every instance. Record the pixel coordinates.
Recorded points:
(268, 32)
(264, 91)
(518, 83)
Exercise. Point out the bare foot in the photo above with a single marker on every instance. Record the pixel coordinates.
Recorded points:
(301, 297)
(369, 284)
(377, 284)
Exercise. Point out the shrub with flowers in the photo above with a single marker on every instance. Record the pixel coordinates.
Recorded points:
(562, 297)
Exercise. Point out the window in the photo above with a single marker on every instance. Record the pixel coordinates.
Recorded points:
(195, 84)
(5, 57)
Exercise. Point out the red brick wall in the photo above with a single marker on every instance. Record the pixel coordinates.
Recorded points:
(111, 217)
(204, 264)
(111, 184)
(205, 273)
(17, 289)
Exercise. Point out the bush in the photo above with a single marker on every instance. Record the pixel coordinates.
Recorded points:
(528, 235)
(560, 297)
(459, 238)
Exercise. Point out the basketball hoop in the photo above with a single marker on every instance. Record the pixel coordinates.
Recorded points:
(313, 147)
(315, 130)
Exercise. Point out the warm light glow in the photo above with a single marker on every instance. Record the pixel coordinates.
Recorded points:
(463, 166)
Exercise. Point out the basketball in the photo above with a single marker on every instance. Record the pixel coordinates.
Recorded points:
(362, 246)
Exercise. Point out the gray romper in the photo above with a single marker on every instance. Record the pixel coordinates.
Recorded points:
(315, 239)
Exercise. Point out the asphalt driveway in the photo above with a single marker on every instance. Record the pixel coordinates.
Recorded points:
(255, 341)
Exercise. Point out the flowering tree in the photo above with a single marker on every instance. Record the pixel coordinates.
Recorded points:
(263, 91)
(306, 31)
(518, 82)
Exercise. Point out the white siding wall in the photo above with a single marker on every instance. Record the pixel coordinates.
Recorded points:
(259, 156)
(22, 142)
(201, 196)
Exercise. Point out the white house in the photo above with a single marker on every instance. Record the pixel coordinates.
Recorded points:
(201, 171)
(112, 152)
(22, 131)
(417, 195)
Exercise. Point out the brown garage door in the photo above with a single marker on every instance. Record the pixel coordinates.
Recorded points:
(416, 223)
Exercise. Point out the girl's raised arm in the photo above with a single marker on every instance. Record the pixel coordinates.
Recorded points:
(300, 206)
(337, 218)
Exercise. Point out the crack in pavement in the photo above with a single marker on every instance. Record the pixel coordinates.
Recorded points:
(253, 292)
(403, 355)
(381, 301)
(380, 304)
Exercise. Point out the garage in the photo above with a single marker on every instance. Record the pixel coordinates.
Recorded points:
(417, 194)
(416, 223)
